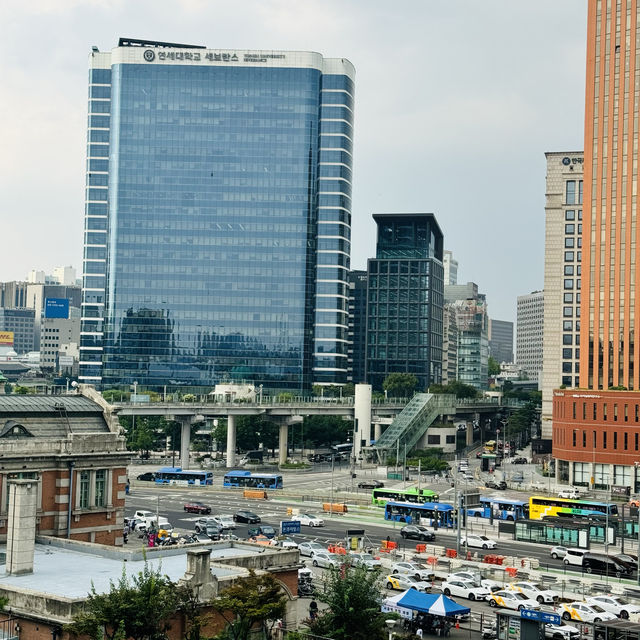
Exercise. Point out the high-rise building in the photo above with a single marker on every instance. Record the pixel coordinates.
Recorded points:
(19, 322)
(405, 299)
(357, 326)
(562, 272)
(450, 268)
(602, 416)
(449, 344)
(529, 333)
(217, 219)
(501, 340)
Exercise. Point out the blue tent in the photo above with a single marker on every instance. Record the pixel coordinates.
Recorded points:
(437, 605)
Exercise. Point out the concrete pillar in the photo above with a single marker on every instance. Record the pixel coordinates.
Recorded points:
(185, 441)
(377, 430)
(231, 441)
(21, 526)
(469, 433)
(362, 422)
(283, 444)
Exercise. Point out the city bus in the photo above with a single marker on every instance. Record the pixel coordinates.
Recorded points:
(540, 507)
(175, 475)
(249, 480)
(502, 509)
(490, 446)
(427, 514)
(380, 497)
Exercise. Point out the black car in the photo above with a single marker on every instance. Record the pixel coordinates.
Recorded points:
(417, 532)
(628, 559)
(520, 461)
(246, 516)
(604, 565)
(264, 530)
(370, 484)
(208, 527)
(149, 476)
(502, 485)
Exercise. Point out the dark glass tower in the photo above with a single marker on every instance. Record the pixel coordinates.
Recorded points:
(357, 325)
(218, 213)
(405, 299)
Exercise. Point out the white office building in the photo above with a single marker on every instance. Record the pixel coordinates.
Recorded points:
(529, 334)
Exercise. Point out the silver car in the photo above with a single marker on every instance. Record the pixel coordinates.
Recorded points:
(327, 560)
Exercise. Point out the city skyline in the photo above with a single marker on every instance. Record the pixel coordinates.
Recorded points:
(415, 140)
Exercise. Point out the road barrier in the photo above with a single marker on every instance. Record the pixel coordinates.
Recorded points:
(256, 494)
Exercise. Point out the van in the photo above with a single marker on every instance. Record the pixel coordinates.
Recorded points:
(604, 565)
(574, 556)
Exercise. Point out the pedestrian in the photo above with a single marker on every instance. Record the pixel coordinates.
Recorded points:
(313, 610)
(419, 632)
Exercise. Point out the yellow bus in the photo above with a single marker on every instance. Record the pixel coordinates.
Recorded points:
(540, 507)
(490, 446)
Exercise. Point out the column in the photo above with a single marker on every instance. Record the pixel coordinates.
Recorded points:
(21, 526)
(231, 441)
(185, 441)
(283, 444)
(362, 415)
(377, 430)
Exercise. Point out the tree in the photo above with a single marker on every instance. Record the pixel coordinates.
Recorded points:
(494, 366)
(400, 385)
(139, 607)
(353, 611)
(459, 389)
(254, 600)
(326, 430)
(21, 391)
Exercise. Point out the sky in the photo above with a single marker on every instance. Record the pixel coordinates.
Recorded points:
(456, 103)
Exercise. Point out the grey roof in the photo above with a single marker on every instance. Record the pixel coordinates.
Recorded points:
(31, 403)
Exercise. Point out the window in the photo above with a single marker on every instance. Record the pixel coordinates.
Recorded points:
(569, 228)
(568, 283)
(569, 256)
(570, 192)
(568, 297)
(101, 486)
(580, 191)
(83, 490)
(567, 312)
(568, 269)
(570, 215)
(433, 439)
(567, 338)
(569, 243)
(567, 325)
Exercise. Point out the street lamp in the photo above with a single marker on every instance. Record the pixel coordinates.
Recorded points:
(390, 626)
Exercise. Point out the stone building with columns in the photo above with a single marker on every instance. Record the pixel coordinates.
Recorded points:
(71, 447)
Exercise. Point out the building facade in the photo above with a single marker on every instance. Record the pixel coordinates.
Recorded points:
(217, 218)
(501, 340)
(20, 322)
(562, 273)
(450, 268)
(529, 334)
(405, 300)
(357, 326)
(60, 337)
(449, 344)
(472, 350)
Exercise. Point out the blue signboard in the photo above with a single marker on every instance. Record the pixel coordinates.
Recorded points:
(541, 616)
(288, 527)
(56, 308)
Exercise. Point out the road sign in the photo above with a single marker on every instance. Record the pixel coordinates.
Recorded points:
(355, 532)
(287, 527)
(541, 616)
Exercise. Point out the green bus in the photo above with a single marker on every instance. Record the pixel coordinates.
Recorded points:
(380, 497)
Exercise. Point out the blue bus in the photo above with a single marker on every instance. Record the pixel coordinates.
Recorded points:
(175, 475)
(502, 509)
(249, 480)
(428, 513)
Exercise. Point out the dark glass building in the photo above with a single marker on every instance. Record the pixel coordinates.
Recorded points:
(357, 326)
(405, 299)
(218, 213)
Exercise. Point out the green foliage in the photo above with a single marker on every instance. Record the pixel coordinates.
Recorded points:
(148, 433)
(459, 389)
(189, 397)
(400, 385)
(22, 391)
(115, 395)
(295, 465)
(254, 600)
(352, 596)
(139, 608)
(494, 366)
(522, 420)
(430, 459)
(250, 432)
(520, 394)
(323, 430)
(285, 396)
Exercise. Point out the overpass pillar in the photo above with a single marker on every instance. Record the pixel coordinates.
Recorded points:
(231, 441)
(362, 421)
(185, 440)
(283, 444)
(377, 430)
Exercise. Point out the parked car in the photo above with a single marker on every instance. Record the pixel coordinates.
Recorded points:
(520, 461)
(604, 565)
(417, 532)
(512, 600)
(247, 516)
(310, 548)
(370, 484)
(365, 560)
(490, 484)
(561, 632)
(558, 552)
(402, 582)
(196, 507)
(309, 520)
(465, 589)
(535, 592)
(628, 559)
(284, 543)
(584, 612)
(481, 542)
(327, 560)
(207, 527)
(615, 604)
(570, 493)
(476, 578)
(148, 476)
(225, 521)
(413, 569)
(263, 530)
(574, 556)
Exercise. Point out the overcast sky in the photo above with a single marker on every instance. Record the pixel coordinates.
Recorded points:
(456, 103)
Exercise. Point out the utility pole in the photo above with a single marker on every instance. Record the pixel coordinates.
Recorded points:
(404, 468)
(419, 467)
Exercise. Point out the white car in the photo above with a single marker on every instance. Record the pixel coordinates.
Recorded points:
(310, 548)
(476, 578)
(481, 542)
(614, 604)
(584, 612)
(561, 632)
(284, 543)
(464, 589)
(558, 552)
(413, 569)
(327, 560)
(512, 600)
(571, 493)
(225, 521)
(402, 582)
(535, 592)
(309, 520)
(365, 560)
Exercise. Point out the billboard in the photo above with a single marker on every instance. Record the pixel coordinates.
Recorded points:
(6, 338)
(56, 308)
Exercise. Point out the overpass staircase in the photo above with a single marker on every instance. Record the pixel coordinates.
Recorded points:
(413, 421)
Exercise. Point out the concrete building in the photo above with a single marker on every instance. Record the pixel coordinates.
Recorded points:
(472, 324)
(529, 334)
(596, 428)
(501, 340)
(60, 275)
(449, 344)
(450, 268)
(404, 293)
(562, 272)
(59, 337)
(225, 254)
(357, 326)
(20, 322)
(13, 295)
(453, 292)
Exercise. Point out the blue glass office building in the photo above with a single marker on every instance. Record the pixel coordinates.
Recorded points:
(218, 214)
